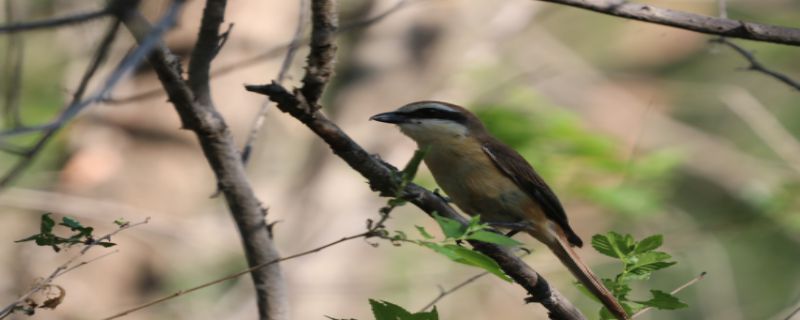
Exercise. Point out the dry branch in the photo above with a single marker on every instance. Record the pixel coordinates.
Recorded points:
(192, 101)
(689, 21)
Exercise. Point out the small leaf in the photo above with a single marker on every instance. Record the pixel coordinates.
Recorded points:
(649, 244)
(105, 244)
(33, 237)
(477, 259)
(664, 301)
(411, 168)
(383, 310)
(451, 228)
(47, 224)
(424, 232)
(491, 237)
(71, 223)
(121, 222)
(602, 244)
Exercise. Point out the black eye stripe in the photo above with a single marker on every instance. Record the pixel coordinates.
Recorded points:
(435, 113)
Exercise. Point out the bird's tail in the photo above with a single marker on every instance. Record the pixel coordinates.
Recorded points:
(585, 276)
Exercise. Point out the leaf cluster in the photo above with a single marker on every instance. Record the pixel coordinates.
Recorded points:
(80, 234)
(639, 261)
(455, 235)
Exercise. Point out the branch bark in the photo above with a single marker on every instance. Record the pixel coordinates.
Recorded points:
(689, 21)
(192, 101)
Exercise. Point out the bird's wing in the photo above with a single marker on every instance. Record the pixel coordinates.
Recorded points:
(516, 168)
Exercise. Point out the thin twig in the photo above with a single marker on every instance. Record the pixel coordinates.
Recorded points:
(678, 289)
(689, 21)
(444, 293)
(297, 41)
(67, 267)
(54, 22)
(757, 66)
(237, 274)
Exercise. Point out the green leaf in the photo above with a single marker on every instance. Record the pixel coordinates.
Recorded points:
(649, 244)
(466, 256)
(411, 168)
(451, 228)
(424, 232)
(105, 244)
(602, 244)
(648, 258)
(491, 237)
(477, 259)
(33, 237)
(664, 301)
(47, 224)
(121, 222)
(383, 310)
(71, 223)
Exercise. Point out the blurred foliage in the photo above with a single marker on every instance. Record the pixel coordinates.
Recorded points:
(80, 234)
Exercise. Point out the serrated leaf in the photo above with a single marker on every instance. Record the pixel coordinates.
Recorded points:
(424, 232)
(451, 228)
(664, 301)
(622, 245)
(648, 258)
(649, 244)
(491, 237)
(602, 244)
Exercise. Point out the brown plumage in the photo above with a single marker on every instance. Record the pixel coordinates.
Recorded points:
(485, 177)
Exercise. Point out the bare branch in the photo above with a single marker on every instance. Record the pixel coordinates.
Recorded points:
(236, 275)
(444, 293)
(323, 50)
(149, 40)
(678, 289)
(197, 112)
(755, 65)
(68, 266)
(55, 22)
(297, 41)
(689, 21)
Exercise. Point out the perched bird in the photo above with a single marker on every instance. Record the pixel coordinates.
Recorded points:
(483, 176)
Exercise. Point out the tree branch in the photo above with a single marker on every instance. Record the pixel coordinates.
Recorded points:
(756, 65)
(55, 22)
(193, 103)
(323, 50)
(689, 21)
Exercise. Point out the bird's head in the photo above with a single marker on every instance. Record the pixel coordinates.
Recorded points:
(428, 122)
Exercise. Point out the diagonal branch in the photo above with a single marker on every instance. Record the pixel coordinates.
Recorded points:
(689, 21)
(55, 22)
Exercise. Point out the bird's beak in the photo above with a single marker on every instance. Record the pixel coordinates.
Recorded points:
(390, 117)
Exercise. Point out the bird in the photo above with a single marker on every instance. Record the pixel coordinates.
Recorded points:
(483, 176)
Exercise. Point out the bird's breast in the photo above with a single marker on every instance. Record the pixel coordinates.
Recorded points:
(473, 182)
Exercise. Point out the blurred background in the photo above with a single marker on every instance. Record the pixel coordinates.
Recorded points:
(639, 128)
